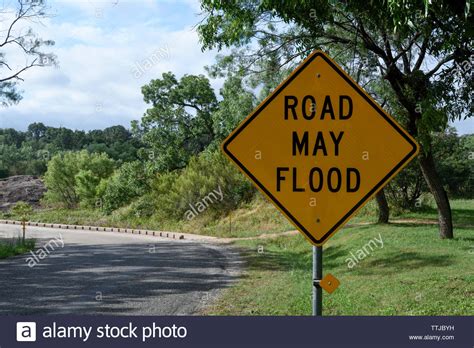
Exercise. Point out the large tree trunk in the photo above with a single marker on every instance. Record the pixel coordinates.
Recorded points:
(399, 81)
(382, 203)
(435, 185)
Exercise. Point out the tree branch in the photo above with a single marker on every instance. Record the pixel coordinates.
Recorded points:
(15, 76)
(422, 54)
(443, 61)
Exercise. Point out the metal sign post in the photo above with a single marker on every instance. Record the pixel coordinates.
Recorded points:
(317, 276)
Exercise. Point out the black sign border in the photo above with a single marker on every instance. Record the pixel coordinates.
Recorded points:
(374, 190)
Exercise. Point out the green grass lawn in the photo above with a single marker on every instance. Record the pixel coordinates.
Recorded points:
(462, 210)
(415, 273)
(15, 247)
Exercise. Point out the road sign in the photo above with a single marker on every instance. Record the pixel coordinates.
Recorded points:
(329, 283)
(319, 147)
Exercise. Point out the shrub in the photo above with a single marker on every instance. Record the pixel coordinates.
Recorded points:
(404, 191)
(74, 177)
(207, 173)
(130, 181)
(143, 207)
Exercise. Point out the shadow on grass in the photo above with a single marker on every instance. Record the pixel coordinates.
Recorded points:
(287, 260)
(462, 229)
(402, 262)
(460, 216)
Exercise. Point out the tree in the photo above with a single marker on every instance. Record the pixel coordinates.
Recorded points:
(392, 40)
(36, 131)
(23, 210)
(456, 168)
(404, 191)
(179, 123)
(237, 103)
(27, 153)
(74, 177)
(17, 40)
(129, 182)
(384, 211)
(115, 134)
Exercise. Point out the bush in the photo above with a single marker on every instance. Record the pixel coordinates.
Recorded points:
(74, 177)
(143, 207)
(454, 163)
(404, 191)
(208, 175)
(130, 181)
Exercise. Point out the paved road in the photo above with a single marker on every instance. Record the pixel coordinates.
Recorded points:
(113, 273)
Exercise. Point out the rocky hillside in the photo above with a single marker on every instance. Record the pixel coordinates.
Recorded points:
(17, 188)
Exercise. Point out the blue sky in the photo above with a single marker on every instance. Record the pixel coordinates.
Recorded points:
(107, 50)
(100, 45)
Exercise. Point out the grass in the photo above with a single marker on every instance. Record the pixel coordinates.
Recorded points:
(15, 247)
(256, 218)
(252, 220)
(415, 273)
(462, 210)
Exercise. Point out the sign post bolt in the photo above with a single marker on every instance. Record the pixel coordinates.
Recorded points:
(317, 276)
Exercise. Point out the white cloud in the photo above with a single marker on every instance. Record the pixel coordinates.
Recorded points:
(94, 85)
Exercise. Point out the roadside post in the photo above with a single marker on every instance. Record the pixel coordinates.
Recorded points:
(319, 148)
(317, 276)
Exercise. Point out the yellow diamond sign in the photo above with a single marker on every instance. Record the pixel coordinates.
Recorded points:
(319, 147)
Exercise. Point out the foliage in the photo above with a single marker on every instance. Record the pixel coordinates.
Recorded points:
(207, 174)
(28, 152)
(179, 123)
(23, 210)
(236, 104)
(451, 154)
(389, 40)
(405, 190)
(129, 182)
(16, 247)
(74, 177)
(454, 157)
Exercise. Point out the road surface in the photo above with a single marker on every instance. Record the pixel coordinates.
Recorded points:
(113, 273)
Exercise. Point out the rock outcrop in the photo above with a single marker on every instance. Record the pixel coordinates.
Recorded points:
(26, 188)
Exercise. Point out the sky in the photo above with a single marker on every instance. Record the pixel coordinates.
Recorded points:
(107, 50)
